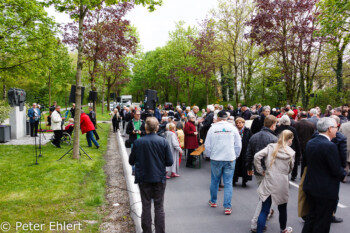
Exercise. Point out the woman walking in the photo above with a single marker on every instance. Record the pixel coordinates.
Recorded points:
(175, 148)
(274, 188)
(241, 169)
(115, 120)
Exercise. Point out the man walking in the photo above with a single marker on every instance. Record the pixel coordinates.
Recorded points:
(150, 155)
(34, 116)
(223, 145)
(256, 143)
(92, 116)
(323, 176)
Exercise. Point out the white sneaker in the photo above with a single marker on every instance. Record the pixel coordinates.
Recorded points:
(287, 230)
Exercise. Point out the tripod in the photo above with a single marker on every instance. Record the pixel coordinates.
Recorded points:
(79, 153)
(40, 134)
(36, 152)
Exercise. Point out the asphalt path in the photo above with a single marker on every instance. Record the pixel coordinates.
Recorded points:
(187, 210)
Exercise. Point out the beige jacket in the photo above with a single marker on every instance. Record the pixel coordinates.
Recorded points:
(275, 182)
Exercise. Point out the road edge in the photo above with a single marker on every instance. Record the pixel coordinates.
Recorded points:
(133, 189)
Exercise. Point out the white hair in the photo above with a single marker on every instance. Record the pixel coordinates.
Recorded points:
(324, 123)
(284, 120)
(210, 107)
(313, 111)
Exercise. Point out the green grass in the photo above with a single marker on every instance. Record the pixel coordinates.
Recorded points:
(64, 191)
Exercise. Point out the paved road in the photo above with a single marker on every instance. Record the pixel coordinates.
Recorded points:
(187, 211)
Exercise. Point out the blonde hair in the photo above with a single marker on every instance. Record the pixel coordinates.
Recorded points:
(240, 119)
(283, 138)
(170, 126)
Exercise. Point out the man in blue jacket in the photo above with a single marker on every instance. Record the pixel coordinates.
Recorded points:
(34, 116)
(150, 155)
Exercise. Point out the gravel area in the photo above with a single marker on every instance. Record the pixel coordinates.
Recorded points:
(117, 210)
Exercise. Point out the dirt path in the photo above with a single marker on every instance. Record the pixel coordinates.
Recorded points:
(117, 210)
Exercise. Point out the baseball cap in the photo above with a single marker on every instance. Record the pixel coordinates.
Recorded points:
(222, 114)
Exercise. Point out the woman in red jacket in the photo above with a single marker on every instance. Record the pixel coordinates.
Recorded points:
(88, 127)
(191, 141)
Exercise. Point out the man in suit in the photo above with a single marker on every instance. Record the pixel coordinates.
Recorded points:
(34, 116)
(313, 118)
(324, 173)
(305, 129)
(150, 155)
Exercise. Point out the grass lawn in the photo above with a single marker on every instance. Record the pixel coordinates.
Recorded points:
(64, 191)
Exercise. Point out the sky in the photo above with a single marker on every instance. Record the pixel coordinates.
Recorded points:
(154, 27)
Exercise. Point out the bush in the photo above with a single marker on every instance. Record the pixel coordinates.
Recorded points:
(4, 111)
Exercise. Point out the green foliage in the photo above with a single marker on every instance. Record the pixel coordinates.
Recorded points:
(4, 111)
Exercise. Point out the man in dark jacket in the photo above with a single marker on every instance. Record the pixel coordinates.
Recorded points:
(245, 113)
(150, 155)
(209, 118)
(305, 129)
(135, 127)
(258, 122)
(256, 143)
(323, 176)
(92, 116)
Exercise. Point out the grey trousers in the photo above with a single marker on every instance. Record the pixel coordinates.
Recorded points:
(148, 192)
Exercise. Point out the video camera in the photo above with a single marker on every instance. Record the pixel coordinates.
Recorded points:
(16, 97)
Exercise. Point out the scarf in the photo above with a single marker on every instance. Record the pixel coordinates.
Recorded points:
(241, 132)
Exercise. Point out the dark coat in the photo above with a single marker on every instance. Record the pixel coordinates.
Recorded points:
(86, 124)
(324, 171)
(246, 115)
(295, 144)
(150, 155)
(257, 124)
(340, 141)
(305, 129)
(130, 128)
(206, 125)
(241, 169)
(191, 141)
(92, 116)
(258, 142)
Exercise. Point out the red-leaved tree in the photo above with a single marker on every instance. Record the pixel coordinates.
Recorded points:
(286, 28)
(107, 38)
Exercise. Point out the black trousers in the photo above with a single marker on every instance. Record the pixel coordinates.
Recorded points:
(34, 128)
(153, 191)
(96, 134)
(58, 136)
(189, 157)
(295, 168)
(115, 126)
(320, 216)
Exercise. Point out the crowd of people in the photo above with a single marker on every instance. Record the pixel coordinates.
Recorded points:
(56, 123)
(266, 142)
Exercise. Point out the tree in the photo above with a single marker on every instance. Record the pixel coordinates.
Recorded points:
(335, 18)
(279, 26)
(204, 51)
(79, 9)
(106, 36)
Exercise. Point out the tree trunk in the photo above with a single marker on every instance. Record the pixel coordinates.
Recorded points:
(339, 71)
(103, 94)
(207, 90)
(76, 144)
(49, 85)
(236, 84)
(108, 93)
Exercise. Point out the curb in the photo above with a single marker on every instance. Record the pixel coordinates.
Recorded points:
(133, 189)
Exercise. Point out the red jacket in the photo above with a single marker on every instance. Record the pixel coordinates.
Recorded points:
(191, 141)
(85, 123)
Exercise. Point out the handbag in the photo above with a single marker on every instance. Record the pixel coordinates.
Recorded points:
(128, 143)
(303, 205)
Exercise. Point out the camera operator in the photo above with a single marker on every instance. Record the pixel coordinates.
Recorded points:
(34, 116)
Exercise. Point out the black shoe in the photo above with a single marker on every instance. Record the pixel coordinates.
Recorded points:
(190, 166)
(97, 147)
(244, 184)
(234, 184)
(293, 179)
(336, 220)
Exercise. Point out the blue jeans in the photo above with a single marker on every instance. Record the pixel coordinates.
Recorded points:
(225, 169)
(265, 210)
(89, 137)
